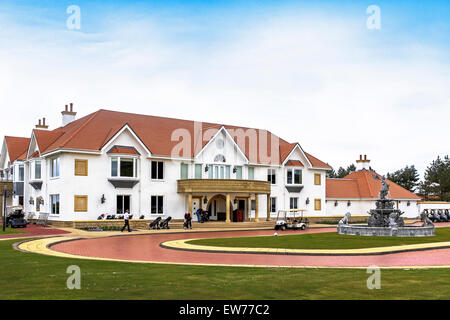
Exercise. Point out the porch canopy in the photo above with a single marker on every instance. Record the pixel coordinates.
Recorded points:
(226, 187)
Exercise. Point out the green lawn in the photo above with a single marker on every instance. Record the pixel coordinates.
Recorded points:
(10, 231)
(329, 240)
(33, 276)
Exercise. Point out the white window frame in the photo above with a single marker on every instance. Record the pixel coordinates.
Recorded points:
(135, 167)
(269, 172)
(51, 204)
(34, 170)
(52, 171)
(292, 170)
(291, 204)
(157, 203)
(163, 170)
(273, 199)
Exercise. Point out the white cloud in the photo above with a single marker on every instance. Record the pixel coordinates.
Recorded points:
(322, 81)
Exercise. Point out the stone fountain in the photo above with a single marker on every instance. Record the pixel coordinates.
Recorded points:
(385, 220)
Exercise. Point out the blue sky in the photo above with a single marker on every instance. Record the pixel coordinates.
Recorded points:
(309, 71)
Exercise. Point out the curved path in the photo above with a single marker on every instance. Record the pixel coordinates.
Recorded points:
(147, 248)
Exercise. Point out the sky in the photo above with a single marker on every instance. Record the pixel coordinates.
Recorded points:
(309, 71)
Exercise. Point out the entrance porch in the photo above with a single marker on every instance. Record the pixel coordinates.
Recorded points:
(225, 199)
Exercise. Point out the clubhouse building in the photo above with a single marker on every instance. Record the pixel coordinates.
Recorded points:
(108, 162)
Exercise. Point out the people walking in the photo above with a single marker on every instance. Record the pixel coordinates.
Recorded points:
(127, 221)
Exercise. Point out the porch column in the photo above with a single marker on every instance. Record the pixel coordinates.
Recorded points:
(256, 208)
(227, 218)
(268, 207)
(190, 203)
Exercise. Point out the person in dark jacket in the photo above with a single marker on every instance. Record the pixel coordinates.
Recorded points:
(187, 221)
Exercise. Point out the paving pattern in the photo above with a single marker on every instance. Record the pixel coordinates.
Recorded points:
(33, 230)
(147, 248)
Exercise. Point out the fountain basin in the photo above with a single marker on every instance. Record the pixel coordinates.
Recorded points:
(405, 231)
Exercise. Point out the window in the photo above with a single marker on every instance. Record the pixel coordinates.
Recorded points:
(123, 204)
(293, 203)
(317, 179)
(81, 167)
(37, 170)
(273, 204)
(271, 176)
(294, 176)
(317, 204)
(253, 205)
(54, 168)
(251, 173)
(54, 203)
(21, 173)
(184, 171)
(219, 172)
(239, 172)
(157, 204)
(198, 171)
(157, 170)
(81, 203)
(124, 167)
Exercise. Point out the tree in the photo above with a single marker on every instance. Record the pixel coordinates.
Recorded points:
(408, 178)
(437, 179)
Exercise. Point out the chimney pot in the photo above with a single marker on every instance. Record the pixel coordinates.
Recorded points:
(360, 157)
(39, 122)
(43, 121)
(365, 157)
(71, 107)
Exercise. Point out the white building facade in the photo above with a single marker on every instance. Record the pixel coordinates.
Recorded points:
(87, 168)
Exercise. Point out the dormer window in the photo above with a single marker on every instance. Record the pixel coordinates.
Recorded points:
(123, 167)
(294, 176)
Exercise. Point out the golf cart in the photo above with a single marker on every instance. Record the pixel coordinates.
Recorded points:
(16, 218)
(291, 219)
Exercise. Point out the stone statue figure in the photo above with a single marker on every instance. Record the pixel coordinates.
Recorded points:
(384, 188)
(424, 217)
(345, 220)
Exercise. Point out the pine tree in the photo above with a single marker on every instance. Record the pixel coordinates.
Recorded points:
(408, 178)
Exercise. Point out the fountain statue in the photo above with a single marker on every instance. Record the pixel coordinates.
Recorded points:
(385, 220)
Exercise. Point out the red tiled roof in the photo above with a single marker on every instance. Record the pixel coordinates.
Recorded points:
(93, 131)
(294, 163)
(123, 150)
(17, 147)
(363, 184)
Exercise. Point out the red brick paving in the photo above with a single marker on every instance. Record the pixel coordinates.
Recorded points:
(33, 230)
(146, 248)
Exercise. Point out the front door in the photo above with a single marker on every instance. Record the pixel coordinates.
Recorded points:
(123, 204)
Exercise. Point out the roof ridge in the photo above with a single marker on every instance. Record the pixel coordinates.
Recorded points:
(79, 129)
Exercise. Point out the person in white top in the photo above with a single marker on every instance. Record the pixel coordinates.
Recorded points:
(127, 221)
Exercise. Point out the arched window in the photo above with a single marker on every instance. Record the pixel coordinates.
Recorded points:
(219, 158)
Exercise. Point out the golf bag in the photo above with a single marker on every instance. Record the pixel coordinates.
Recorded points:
(442, 215)
(155, 224)
(165, 223)
(436, 217)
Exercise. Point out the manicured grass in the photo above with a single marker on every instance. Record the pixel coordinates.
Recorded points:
(33, 276)
(328, 240)
(10, 231)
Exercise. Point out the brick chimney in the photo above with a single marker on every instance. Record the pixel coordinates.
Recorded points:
(362, 163)
(41, 124)
(68, 115)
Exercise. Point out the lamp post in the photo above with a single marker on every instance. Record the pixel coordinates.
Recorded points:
(5, 195)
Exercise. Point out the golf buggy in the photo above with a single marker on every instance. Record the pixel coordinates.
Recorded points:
(291, 219)
(16, 218)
